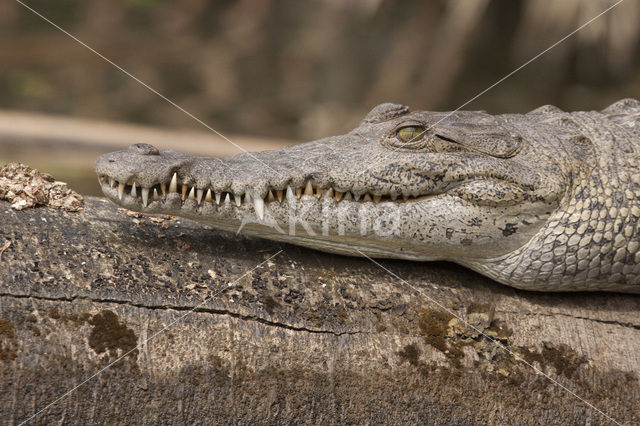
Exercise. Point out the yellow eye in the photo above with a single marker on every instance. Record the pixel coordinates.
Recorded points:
(410, 133)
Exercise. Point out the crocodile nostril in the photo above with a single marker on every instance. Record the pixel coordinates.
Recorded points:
(143, 149)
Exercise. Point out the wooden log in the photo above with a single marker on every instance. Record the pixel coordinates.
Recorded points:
(221, 328)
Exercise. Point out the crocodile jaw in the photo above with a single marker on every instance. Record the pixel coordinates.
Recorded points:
(378, 229)
(319, 222)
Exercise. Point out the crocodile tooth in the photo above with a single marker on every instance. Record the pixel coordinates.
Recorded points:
(207, 197)
(199, 194)
(290, 193)
(238, 199)
(192, 193)
(377, 198)
(298, 192)
(145, 196)
(134, 193)
(318, 192)
(156, 197)
(329, 193)
(348, 196)
(270, 197)
(112, 182)
(185, 188)
(339, 195)
(279, 194)
(367, 197)
(258, 204)
(121, 190)
(227, 200)
(163, 188)
(405, 197)
(247, 197)
(173, 186)
(394, 197)
(218, 197)
(356, 197)
(308, 190)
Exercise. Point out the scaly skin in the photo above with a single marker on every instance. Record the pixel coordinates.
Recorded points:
(547, 200)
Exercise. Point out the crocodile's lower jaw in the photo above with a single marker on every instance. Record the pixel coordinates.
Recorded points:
(243, 214)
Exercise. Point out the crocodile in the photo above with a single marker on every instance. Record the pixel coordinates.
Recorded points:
(548, 200)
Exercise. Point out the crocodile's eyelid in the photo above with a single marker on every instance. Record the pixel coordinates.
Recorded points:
(408, 123)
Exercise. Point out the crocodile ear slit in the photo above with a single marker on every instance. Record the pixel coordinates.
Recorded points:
(490, 139)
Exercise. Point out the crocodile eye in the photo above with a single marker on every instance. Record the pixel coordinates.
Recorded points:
(410, 133)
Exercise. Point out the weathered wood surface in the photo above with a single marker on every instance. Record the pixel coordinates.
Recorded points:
(305, 338)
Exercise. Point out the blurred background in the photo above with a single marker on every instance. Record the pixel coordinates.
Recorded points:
(272, 72)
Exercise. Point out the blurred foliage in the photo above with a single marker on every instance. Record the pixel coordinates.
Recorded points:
(304, 69)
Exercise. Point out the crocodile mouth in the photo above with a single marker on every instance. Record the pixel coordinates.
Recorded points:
(132, 192)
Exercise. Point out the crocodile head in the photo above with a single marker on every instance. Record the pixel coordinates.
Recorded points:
(420, 185)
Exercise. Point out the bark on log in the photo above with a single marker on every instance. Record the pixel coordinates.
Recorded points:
(306, 337)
